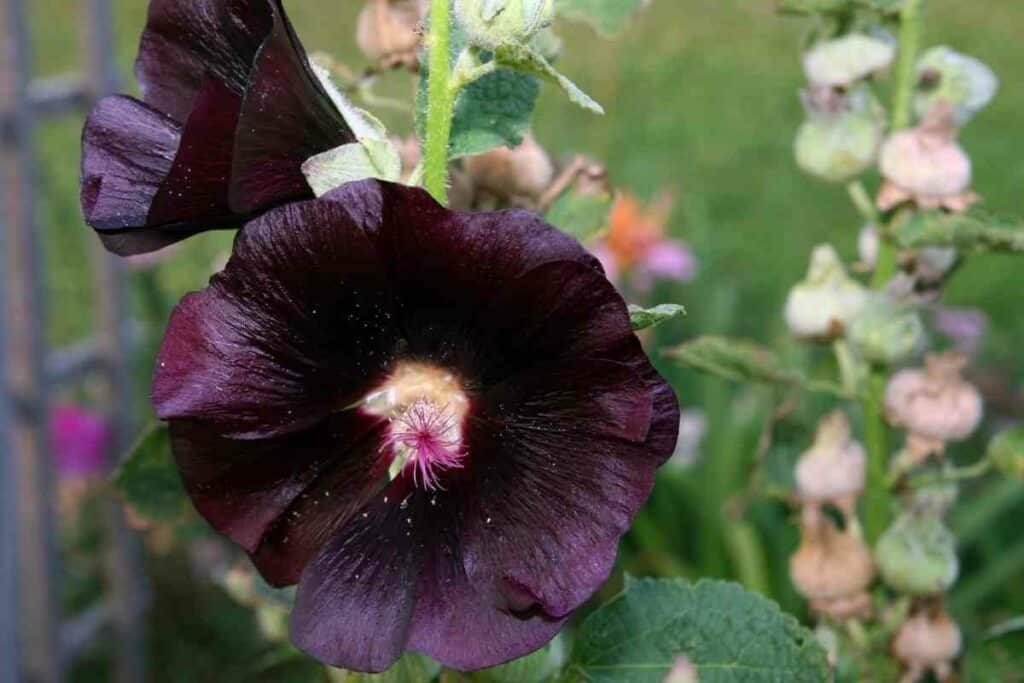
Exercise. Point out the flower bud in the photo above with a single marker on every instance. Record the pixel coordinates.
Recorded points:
(868, 245)
(848, 59)
(926, 165)
(490, 23)
(841, 136)
(516, 175)
(927, 641)
(1006, 452)
(682, 671)
(917, 555)
(945, 75)
(823, 305)
(830, 565)
(832, 471)
(888, 333)
(390, 28)
(935, 405)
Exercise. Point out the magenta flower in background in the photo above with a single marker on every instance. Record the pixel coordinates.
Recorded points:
(230, 110)
(80, 440)
(966, 327)
(438, 424)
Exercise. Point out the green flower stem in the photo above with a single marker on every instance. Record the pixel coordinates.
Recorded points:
(440, 101)
(878, 497)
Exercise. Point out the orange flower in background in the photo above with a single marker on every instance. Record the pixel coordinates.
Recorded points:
(636, 245)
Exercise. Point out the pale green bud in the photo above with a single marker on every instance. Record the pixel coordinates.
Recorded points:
(917, 555)
(848, 59)
(888, 333)
(841, 136)
(945, 75)
(826, 302)
(490, 23)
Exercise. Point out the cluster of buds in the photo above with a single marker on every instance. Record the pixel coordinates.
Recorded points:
(934, 404)
(390, 32)
(845, 123)
(832, 569)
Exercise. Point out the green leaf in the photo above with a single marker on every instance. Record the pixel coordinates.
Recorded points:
(369, 158)
(729, 634)
(584, 216)
(744, 361)
(641, 318)
(538, 667)
(493, 111)
(814, 6)
(967, 232)
(1006, 452)
(148, 478)
(608, 17)
(526, 59)
(411, 668)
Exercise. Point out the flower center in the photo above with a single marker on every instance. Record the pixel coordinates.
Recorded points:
(426, 406)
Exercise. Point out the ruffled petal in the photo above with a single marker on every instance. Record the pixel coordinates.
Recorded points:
(188, 42)
(298, 326)
(286, 118)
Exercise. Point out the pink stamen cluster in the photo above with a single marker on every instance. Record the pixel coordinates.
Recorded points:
(427, 434)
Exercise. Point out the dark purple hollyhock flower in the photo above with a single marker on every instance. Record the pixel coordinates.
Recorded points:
(231, 108)
(438, 424)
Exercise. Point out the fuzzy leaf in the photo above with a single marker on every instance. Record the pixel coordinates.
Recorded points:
(608, 17)
(411, 668)
(729, 634)
(526, 59)
(967, 232)
(1006, 452)
(148, 478)
(584, 216)
(642, 318)
(369, 158)
(744, 361)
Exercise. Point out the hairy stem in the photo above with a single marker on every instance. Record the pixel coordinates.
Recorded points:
(906, 77)
(440, 101)
(878, 497)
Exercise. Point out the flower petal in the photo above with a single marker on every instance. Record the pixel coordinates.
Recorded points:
(286, 118)
(298, 325)
(187, 42)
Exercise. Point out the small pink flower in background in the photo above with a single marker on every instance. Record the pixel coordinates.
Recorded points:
(81, 440)
(966, 327)
(636, 249)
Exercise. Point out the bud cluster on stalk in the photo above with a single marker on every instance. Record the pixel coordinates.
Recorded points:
(895, 583)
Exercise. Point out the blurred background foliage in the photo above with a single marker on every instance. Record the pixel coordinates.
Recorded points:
(701, 101)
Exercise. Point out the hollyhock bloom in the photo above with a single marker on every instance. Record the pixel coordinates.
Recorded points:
(80, 441)
(230, 109)
(438, 424)
(636, 249)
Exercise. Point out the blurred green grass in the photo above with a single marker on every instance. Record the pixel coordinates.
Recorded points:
(701, 101)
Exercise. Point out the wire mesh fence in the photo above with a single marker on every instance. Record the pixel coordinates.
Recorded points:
(38, 642)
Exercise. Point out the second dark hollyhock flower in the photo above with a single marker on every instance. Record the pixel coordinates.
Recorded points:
(438, 424)
(230, 109)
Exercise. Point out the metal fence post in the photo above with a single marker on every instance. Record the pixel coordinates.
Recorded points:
(39, 604)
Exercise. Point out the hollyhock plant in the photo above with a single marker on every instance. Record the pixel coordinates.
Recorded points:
(636, 249)
(230, 110)
(438, 424)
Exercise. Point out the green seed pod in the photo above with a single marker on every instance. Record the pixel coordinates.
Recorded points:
(888, 333)
(917, 555)
(823, 305)
(490, 23)
(1006, 452)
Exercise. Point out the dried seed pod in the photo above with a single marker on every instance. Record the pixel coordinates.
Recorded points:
(926, 165)
(935, 405)
(928, 641)
(517, 175)
(830, 565)
(390, 29)
(833, 469)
